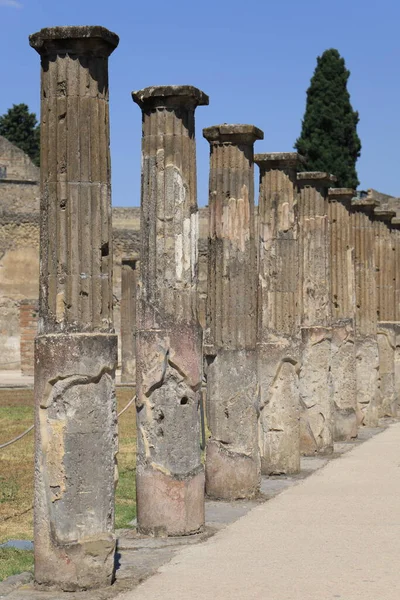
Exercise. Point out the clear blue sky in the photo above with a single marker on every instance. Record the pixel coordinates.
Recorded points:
(254, 58)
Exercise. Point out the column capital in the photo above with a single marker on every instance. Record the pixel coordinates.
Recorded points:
(278, 160)
(92, 40)
(170, 96)
(384, 213)
(316, 178)
(233, 134)
(343, 195)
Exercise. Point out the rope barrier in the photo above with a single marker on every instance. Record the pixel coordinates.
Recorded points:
(19, 437)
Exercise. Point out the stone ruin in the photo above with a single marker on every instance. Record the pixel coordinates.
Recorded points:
(298, 301)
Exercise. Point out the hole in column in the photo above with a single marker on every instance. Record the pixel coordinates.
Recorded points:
(184, 400)
(104, 249)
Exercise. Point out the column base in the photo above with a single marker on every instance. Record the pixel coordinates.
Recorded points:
(232, 457)
(229, 475)
(316, 394)
(279, 421)
(75, 460)
(167, 505)
(368, 387)
(386, 334)
(343, 376)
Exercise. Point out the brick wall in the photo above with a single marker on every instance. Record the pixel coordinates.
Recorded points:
(28, 316)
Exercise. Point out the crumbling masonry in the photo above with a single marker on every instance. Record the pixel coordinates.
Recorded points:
(278, 330)
(232, 457)
(316, 420)
(76, 349)
(169, 475)
(342, 296)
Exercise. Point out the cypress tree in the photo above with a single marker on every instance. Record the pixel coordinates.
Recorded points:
(329, 140)
(20, 127)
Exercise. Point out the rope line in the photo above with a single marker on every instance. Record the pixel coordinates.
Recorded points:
(19, 437)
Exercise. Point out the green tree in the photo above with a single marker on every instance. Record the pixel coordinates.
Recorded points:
(20, 127)
(329, 140)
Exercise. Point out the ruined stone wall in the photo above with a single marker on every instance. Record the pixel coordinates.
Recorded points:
(19, 270)
(19, 247)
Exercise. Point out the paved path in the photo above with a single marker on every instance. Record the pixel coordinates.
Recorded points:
(334, 535)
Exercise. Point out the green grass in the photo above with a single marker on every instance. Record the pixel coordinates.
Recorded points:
(13, 561)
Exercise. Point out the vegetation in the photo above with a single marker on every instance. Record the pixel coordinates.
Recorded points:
(329, 140)
(13, 561)
(20, 127)
(16, 473)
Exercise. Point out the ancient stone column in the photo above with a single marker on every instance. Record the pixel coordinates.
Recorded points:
(367, 357)
(76, 349)
(317, 416)
(170, 475)
(385, 248)
(342, 280)
(278, 330)
(232, 458)
(128, 318)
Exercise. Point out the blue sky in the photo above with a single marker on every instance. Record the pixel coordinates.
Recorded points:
(253, 58)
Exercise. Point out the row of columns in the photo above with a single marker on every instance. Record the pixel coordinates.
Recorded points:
(291, 339)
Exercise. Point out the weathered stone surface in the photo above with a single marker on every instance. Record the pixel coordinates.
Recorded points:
(232, 459)
(368, 384)
(170, 476)
(343, 378)
(278, 313)
(342, 292)
(316, 393)
(75, 464)
(76, 351)
(128, 318)
(389, 405)
(279, 421)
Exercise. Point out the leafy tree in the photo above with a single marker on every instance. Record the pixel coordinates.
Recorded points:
(329, 140)
(20, 127)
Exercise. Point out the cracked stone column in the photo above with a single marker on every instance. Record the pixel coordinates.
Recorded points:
(170, 475)
(316, 394)
(343, 354)
(385, 247)
(75, 349)
(232, 458)
(128, 318)
(278, 339)
(367, 356)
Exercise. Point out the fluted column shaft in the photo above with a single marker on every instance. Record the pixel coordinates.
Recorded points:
(385, 269)
(170, 475)
(232, 459)
(129, 281)
(368, 389)
(342, 295)
(75, 351)
(278, 315)
(316, 420)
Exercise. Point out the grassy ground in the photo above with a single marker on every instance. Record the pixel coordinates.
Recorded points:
(16, 473)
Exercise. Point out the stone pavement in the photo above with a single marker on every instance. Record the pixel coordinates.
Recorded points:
(335, 535)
